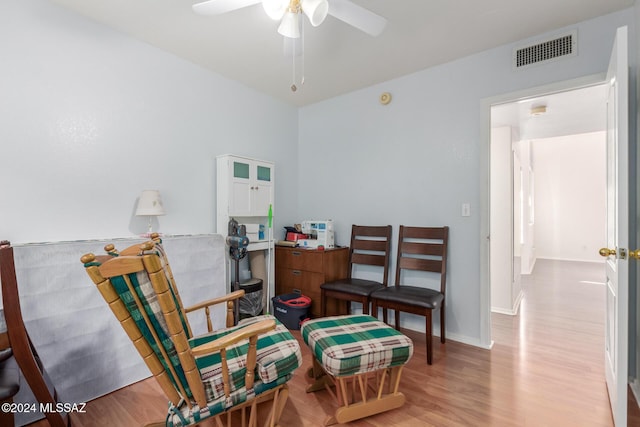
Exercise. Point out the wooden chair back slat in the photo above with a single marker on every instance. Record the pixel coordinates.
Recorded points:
(368, 259)
(376, 242)
(421, 264)
(425, 249)
(426, 233)
(370, 245)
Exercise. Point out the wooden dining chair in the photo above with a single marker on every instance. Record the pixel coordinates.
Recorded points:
(16, 338)
(419, 249)
(371, 246)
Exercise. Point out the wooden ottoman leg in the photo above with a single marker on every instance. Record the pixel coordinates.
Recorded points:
(321, 380)
(364, 406)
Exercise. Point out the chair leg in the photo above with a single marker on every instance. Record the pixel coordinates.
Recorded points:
(429, 333)
(365, 305)
(442, 328)
(6, 417)
(323, 302)
(396, 314)
(348, 304)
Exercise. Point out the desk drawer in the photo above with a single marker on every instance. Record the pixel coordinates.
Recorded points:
(299, 279)
(300, 259)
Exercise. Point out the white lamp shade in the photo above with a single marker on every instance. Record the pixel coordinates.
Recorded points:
(290, 25)
(275, 8)
(150, 204)
(316, 10)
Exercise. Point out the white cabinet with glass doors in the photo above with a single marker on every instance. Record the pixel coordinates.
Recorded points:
(245, 190)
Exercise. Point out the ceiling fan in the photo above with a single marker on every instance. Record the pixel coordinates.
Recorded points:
(289, 13)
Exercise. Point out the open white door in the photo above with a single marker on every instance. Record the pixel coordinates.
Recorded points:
(617, 264)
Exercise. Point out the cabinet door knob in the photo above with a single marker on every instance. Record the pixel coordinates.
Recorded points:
(295, 253)
(296, 272)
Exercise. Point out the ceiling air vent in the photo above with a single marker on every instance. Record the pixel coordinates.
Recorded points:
(546, 51)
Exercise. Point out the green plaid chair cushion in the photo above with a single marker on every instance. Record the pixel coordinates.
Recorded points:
(355, 344)
(183, 416)
(278, 354)
(145, 292)
(159, 250)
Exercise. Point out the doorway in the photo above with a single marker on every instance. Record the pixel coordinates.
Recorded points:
(547, 186)
(485, 169)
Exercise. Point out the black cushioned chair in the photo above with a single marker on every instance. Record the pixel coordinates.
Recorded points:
(370, 245)
(423, 249)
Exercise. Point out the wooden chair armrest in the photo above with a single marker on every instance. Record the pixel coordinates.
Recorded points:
(229, 298)
(249, 331)
(225, 298)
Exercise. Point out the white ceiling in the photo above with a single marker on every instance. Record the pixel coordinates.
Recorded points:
(567, 113)
(243, 45)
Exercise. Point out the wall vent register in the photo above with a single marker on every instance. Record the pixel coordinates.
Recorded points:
(547, 50)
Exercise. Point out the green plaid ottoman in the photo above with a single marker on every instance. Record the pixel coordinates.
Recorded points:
(354, 348)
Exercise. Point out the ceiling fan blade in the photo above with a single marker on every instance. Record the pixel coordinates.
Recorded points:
(357, 16)
(218, 7)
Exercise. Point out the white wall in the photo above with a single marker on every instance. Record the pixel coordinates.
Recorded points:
(416, 160)
(89, 117)
(502, 219)
(527, 246)
(570, 196)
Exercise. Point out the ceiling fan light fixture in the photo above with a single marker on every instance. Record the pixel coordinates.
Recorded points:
(275, 8)
(290, 25)
(316, 10)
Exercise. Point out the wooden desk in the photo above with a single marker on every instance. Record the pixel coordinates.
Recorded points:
(305, 270)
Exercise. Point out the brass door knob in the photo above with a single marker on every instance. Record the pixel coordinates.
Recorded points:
(634, 254)
(605, 252)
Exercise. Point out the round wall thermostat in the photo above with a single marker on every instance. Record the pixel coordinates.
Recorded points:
(385, 98)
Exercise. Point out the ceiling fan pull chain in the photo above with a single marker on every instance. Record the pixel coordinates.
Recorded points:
(302, 54)
(300, 40)
(293, 66)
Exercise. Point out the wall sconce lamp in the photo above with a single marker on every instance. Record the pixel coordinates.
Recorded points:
(150, 204)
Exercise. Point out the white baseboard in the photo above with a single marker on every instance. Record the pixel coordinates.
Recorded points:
(510, 312)
(531, 267)
(499, 310)
(516, 305)
(415, 323)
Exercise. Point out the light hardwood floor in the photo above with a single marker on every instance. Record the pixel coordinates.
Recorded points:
(545, 369)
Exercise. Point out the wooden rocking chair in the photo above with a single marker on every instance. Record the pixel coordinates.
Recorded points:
(217, 376)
